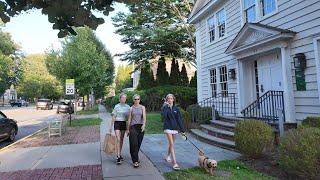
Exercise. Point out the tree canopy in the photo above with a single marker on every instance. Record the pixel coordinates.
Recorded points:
(36, 81)
(85, 59)
(123, 77)
(146, 80)
(64, 14)
(162, 73)
(156, 28)
(10, 61)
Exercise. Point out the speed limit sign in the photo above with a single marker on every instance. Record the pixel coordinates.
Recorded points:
(70, 87)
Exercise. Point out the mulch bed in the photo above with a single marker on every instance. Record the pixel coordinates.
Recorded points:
(268, 165)
(72, 135)
(93, 172)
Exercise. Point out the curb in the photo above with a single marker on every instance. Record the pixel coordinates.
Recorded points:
(16, 142)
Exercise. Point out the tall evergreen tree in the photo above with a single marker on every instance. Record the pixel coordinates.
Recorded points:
(146, 78)
(184, 80)
(193, 81)
(162, 73)
(174, 73)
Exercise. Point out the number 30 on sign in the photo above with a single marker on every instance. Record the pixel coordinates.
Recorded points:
(70, 87)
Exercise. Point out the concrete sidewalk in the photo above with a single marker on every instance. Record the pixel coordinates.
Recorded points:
(124, 171)
(186, 153)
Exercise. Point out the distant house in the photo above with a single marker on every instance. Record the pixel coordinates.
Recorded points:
(257, 58)
(9, 95)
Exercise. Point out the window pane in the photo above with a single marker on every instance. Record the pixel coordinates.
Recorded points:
(248, 3)
(221, 19)
(268, 6)
(251, 14)
(223, 80)
(213, 82)
(211, 29)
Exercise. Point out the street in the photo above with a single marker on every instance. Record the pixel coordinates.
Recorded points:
(29, 120)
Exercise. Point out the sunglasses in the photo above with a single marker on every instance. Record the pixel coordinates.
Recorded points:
(136, 99)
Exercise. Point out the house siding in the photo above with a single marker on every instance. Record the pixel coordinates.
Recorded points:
(300, 16)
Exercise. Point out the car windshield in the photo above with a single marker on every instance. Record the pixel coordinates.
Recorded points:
(63, 103)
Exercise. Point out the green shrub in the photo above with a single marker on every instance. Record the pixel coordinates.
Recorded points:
(186, 117)
(300, 152)
(311, 122)
(200, 114)
(253, 137)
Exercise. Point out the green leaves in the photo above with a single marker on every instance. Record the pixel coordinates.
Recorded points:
(64, 14)
(155, 28)
(36, 81)
(85, 59)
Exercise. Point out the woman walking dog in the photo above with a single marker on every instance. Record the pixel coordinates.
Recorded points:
(119, 116)
(136, 126)
(173, 123)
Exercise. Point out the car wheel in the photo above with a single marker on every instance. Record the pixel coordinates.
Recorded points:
(13, 134)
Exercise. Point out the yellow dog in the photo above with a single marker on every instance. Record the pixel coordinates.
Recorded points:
(208, 164)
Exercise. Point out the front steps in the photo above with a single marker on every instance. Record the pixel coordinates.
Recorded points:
(219, 132)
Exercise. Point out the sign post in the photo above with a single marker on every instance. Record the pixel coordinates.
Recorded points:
(70, 90)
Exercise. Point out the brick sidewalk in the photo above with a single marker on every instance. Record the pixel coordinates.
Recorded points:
(92, 172)
(73, 135)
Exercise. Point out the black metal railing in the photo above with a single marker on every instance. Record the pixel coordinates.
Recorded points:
(223, 104)
(266, 107)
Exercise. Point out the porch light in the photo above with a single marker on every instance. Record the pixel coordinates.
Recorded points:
(300, 61)
(232, 74)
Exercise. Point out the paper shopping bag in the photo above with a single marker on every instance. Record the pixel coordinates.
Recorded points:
(109, 144)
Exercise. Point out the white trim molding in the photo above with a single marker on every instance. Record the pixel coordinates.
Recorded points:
(195, 17)
(316, 42)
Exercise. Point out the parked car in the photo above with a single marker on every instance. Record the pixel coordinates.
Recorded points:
(16, 103)
(65, 107)
(44, 104)
(19, 103)
(8, 128)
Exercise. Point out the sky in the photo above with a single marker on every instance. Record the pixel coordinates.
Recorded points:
(34, 34)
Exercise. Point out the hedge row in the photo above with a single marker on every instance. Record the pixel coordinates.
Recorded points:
(152, 98)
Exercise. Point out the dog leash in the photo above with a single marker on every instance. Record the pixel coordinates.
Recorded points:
(187, 139)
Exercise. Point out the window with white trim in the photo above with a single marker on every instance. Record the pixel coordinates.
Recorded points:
(221, 23)
(211, 28)
(268, 6)
(223, 80)
(250, 10)
(213, 82)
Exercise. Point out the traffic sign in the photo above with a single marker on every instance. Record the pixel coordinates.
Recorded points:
(70, 90)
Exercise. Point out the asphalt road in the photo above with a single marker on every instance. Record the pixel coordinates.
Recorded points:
(29, 119)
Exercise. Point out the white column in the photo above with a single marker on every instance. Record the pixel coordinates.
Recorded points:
(240, 83)
(287, 85)
(199, 70)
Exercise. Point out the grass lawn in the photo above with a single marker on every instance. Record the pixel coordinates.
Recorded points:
(235, 169)
(85, 122)
(93, 110)
(154, 124)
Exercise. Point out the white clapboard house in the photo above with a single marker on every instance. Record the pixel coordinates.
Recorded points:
(258, 59)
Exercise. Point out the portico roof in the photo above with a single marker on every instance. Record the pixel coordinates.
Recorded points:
(254, 35)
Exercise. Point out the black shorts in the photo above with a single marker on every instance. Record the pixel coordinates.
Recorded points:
(120, 125)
